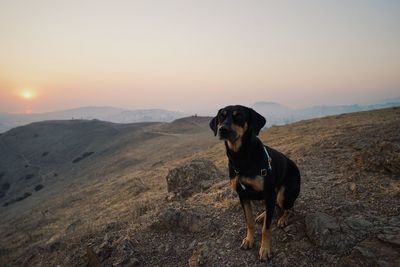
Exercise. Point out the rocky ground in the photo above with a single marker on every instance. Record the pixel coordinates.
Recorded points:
(347, 214)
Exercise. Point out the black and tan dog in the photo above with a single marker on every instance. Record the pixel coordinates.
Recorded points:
(256, 172)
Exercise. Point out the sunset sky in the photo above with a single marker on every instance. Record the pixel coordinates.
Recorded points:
(196, 55)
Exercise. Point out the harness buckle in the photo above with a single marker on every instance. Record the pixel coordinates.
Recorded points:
(264, 172)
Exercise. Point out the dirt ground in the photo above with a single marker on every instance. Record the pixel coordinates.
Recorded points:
(347, 214)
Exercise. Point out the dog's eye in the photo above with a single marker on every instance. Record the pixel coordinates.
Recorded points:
(238, 116)
(222, 114)
(238, 119)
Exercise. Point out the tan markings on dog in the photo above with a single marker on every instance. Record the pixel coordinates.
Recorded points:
(248, 241)
(234, 182)
(235, 145)
(240, 131)
(284, 219)
(265, 248)
(257, 183)
(280, 198)
(260, 217)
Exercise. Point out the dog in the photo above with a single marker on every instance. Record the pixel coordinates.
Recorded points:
(256, 172)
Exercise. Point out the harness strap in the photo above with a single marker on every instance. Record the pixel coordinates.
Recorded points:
(269, 159)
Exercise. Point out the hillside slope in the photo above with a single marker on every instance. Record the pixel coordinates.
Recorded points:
(348, 212)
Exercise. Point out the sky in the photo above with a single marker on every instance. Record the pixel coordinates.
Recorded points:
(196, 55)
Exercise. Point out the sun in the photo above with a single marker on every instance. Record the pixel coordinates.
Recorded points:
(27, 94)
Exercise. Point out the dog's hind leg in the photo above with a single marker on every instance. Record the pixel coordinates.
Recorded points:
(284, 219)
(284, 212)
(284, 216)
(288, 193)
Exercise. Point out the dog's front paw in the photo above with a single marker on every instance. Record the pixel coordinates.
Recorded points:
(265, 253)
(247, 243)
(283, 220)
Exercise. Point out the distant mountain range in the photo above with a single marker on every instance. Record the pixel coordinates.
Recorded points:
(111, 114)
(276, 114)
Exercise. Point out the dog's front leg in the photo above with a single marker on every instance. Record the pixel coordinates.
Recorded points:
(265, 249)
(248, 241)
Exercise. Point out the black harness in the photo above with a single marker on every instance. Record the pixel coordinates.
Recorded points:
(263, 172)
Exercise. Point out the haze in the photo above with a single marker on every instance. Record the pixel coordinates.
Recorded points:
(196, 55)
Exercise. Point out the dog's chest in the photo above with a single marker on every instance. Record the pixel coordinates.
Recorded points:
(256, 183)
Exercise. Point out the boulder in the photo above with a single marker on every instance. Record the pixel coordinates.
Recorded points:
(373, 252)
(323, 230)
(327, 232)
(193, 177)
(179, 219)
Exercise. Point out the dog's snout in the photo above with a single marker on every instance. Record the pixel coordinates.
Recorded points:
(226, 132)
(223, 129)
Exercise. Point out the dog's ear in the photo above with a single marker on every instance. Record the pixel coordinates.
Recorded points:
(214, 124)
(257, 121)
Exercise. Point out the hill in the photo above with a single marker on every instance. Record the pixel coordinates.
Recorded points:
(110, 114)
(124, 204)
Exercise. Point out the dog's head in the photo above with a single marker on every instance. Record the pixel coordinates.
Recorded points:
(232, 123)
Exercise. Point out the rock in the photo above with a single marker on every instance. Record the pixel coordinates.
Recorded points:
(292, 228)
(192, 244)
(196, 176)
(353, 187)
(177, 219)
(125, 254)
(167, 220)
(105, 249)
(380, 156)
(127, 246)
(392, 239)
(323, 230)
(128, 262)
(170, 197)
(391, 233)
(357, 224)
(200, 255)
(71, 228)
(372, 252)
(327, 232)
